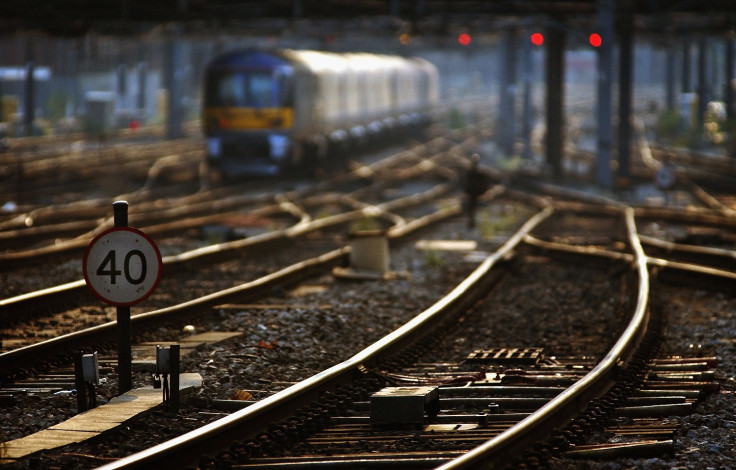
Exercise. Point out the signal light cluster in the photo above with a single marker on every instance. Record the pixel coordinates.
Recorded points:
(536, 38)
(594, 39)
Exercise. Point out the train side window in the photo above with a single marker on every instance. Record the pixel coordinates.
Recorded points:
(284, 88)
(394, 89)
(423, 86)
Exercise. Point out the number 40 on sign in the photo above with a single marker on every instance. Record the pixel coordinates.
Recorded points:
(122, 266)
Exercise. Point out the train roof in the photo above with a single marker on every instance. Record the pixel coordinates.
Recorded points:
(248, 58)
(321, 61)
(316, 61)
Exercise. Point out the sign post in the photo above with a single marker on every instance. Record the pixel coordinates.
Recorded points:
(122, 267)
(125, 359)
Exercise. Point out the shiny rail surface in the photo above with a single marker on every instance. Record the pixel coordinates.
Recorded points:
(28, 355)
(185, 448)
(568, 403)
(497, 450)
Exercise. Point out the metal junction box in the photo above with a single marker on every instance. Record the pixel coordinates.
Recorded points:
(404, 405)
(90, 368)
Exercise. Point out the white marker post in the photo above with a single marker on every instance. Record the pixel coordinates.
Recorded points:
(122, 267)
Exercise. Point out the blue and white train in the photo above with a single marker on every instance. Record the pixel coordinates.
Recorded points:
(269, 111)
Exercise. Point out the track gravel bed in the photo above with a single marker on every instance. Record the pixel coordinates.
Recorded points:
(177, 285)
(307, 329)
(294, 334)
(543, 303)
(698, 322)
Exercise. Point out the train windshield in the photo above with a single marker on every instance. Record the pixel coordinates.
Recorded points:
(249, 88)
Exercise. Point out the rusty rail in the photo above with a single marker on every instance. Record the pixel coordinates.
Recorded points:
(188, 447)
(568, 404)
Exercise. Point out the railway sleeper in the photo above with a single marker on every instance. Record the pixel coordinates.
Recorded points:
(447, 416)
(642, 416)
(643, 373)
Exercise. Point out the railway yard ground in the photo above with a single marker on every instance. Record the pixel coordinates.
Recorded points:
(290, 331)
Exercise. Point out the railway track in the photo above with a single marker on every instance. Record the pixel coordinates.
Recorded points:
(30, 170)
(58, 231)
(470, 416)
(258, 288)
(336, 212)
(467, 428)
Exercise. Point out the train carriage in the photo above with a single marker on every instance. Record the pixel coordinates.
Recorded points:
(267, 111)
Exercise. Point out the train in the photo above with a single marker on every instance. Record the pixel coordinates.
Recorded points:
(266, 112)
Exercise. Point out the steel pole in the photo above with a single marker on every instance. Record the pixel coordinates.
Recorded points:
(125, 374)
(605, 72)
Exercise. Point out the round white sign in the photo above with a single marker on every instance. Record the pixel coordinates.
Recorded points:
(122, 266)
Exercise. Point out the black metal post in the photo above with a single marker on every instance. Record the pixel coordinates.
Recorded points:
(79, 383)
(29, 98)
(527, 110)
(605, 92)
(624, 99)
(670, 100)
(555, 70)
(173, 78)
(125, 374)
(174, 383)
(506, 122)
(141, 103)
(703, 95)
(728, 91)
(686, 66)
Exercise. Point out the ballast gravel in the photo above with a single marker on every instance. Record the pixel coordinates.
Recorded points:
(294, 334)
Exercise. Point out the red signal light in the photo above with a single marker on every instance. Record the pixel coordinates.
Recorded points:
(464, 39)
(537, 39)
(595, 40)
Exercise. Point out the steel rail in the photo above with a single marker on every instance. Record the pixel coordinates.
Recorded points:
(652, 261)
(598, 204)
(196, 206)
(28, 354)
(698, 250)
(184, 449)
(77, 289)
(501, 450)
(143, 219)
(189, 206)
(31, 354)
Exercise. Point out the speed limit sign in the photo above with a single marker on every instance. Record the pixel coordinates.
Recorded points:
(122, 266)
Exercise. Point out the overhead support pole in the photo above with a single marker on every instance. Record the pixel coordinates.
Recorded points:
(506, 123)
(703, 97)
(605, 85)
(72, 81)
(670, 77)
(173, 76)
(29, 88)
(526, 130)
(728, 91)
(141, 98)
(297, 10)
(625, 80)
(686, 66)
(555, 71)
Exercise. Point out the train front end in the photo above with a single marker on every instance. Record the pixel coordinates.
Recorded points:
(248, 113)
